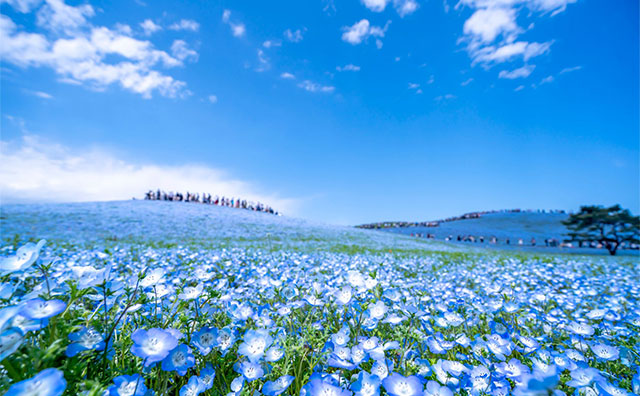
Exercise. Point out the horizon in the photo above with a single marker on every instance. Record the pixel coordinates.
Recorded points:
(350, 113)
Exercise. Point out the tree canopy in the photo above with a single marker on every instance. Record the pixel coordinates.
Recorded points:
(611, 226)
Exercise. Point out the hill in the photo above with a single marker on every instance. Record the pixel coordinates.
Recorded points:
(159, 223)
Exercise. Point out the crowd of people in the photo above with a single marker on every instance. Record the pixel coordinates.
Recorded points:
(208, 199)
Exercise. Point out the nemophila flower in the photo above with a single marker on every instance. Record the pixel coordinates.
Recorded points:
(153, 277)
(38, 309)
(318, 387)
(274, 354)
(48, 382)
(7, 314)
(454, 368)
(340, 358)
(581, 329)
(205, 340)
(607, 389)
(343, 296)
(381, 368)
(152, 345)
(86, 339)
(435, 389)
(207, 375)
(190, 293)
(605, 352)
(635, 383)
(583, 377)
(463, 340)
(394, 319)
(366, 385)
(237, 384)
(6, 290)
(250, 371)
(512, 369)
(128, 385)
(179, 359)
(24, 258)
(500, 347)
(10, 341)
(193, 387)
(480, 380)
(398, 385)
(225, 339)
(530, 344)
(277, 387)
(358, 355)
(87, 276)
(442, 375)
(241, 312)
(539, 382)
(254, 344)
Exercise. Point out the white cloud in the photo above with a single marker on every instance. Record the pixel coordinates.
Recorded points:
(34, 170)
(414, 86)
(375, 5)
(487, 24)
(287, 76)
(315, 87)
(348, 67)
(361, 30)
(42, 95)
(55, 15)
(521, 72)
(23, 6)
(570, 69)
(272, 43)
(213, 99)
(263, 60)
(293, 36)
(466, 82)
(237, 29)
(546, 80)
(149, 27)
(84, 54)
(185, 24)
(444, 97)
(405, 7)
(181, 51)
(491, 32)
(519, 88)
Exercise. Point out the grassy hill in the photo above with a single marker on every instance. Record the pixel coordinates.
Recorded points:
(158, 223)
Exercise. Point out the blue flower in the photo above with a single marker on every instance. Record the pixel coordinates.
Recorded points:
(205, 340)
(192, 388)
(10, 341)
(128, 385)
(180, 359)
(207, 375)
(583, 377)
(152, 345)
(274, 388)
(225, 340)
(539, 382)
(24, 258)
(318, 387)
(48, 382)
(366, 385)
(605, 352)
(435, 389)
(606, 389)
(397, 385)
(38, 309)
(86, 339)
(255, 343)
(250, 371)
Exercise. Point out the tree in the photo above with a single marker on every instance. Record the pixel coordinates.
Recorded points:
(610, 226)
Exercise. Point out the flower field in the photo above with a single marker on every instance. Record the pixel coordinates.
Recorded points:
(120, 300)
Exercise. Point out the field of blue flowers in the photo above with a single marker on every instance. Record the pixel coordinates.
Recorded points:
(143, 298)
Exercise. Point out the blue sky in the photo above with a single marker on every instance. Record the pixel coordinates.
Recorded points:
(345, 112)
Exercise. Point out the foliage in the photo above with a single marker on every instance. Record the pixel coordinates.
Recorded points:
(611, 226)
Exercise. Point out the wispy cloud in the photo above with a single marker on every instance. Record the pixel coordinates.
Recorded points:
(97, 56)
(521, 72)
(348, 67)
(362, 30)
(295, 36)
(403, 7)
(238, 29)
(287, 76)
(444, 97)
(33, 169)
(492, 32)
(185, 24)
(149, 27)
(311, 86)
(466, 82)
(213, 99)
(40, 94)
(570, 69)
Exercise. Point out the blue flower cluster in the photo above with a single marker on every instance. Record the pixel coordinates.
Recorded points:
(185, 320)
